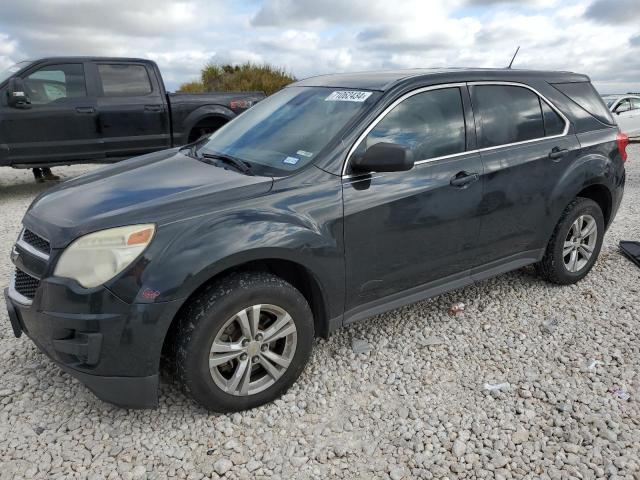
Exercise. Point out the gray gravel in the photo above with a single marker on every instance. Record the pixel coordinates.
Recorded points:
(415, 405)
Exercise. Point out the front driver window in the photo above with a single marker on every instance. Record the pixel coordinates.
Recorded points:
(55, 82)
(430, 124)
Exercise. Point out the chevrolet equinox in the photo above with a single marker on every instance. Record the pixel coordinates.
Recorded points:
(337, 198)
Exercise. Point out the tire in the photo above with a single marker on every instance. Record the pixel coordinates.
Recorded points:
(553, 266)
(202, 322)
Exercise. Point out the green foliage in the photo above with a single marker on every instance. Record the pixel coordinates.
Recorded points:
(239, 78)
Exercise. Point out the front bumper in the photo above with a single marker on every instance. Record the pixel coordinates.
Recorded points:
(112, 347)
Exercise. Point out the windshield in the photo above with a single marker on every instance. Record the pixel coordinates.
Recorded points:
(609, 100)
(289, 129)
(8, 72)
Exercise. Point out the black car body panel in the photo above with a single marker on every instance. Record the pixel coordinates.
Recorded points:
(98, 125)
(358, 244)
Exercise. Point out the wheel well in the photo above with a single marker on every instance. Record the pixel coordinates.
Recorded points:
(601, 195)
(294, 273)
(205, 126)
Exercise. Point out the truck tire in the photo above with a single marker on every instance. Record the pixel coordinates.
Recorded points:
(243, 341)
(575, 244)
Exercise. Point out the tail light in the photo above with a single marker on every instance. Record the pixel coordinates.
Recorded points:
(623, 141)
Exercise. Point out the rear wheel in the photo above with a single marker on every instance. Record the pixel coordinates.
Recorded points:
(575, 244)
(243, 341)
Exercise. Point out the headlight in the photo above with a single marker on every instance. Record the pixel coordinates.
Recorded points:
(98, 257)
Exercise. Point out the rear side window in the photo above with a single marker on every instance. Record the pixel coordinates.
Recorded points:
(128, 80)
(507, 114)
(431, 124)
(586, 97)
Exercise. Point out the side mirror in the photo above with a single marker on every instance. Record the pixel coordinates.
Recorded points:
(17, 97)
(384, 157)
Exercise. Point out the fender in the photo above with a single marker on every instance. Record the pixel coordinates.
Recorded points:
(585, 171)
(202, 112)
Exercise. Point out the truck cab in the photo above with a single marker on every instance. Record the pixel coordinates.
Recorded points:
(58, 111)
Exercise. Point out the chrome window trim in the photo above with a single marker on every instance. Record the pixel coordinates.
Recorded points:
(378, 119)
(15, 295)
(32, 250)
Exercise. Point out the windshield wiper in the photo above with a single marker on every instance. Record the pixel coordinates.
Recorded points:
(240, 165)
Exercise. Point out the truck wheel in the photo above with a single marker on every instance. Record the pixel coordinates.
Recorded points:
(243, 341)
(575, 243)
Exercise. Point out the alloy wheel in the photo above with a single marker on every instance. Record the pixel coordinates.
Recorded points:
(252, 350)
(580, 243)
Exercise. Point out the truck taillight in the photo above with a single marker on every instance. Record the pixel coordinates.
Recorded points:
(240, 104)
(623, 141)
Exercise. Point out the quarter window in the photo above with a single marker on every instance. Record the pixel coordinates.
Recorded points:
(553, 123)
(507, 114)
(119, 80)
(56, 82)
(430, 124)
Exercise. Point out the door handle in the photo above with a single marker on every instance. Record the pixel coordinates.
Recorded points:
(558, 153)
(85, 109)
(462, 179)
(153, 108)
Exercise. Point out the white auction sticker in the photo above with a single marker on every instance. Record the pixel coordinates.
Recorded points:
(348, 96)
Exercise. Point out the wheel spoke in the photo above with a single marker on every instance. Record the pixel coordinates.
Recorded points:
(254, 319)
(243, 320)
(577, 226)
(277, 359)
(568, 247)
(573, 260)
(586, 250)
(246, 378)
(589, 228)
(238, 375)
(282, 327)
(224, 347)
(270, 367)
(216, 359)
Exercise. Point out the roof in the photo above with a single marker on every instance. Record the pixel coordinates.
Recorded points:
(384, 80)
(88, 59)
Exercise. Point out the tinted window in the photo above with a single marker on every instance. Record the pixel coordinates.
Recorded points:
(431, 124)
(583, 94)
(55, 82)
(553, 123)
(124, 80)
(635, 102)
(507, 114)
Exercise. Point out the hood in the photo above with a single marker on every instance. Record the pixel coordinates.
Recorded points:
(156, 188)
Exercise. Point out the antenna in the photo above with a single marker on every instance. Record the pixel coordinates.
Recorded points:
(514, 57)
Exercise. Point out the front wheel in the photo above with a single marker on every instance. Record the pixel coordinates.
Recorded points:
(575, 244)
(243, 341)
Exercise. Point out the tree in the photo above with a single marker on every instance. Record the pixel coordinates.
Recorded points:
(239, 78)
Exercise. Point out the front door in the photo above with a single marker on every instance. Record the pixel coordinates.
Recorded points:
(60, 124)
(627, 115)
(410, 230)
(132, 109)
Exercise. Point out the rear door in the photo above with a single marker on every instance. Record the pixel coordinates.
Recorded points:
(132, 109)
(525, 148)
(627, 115)
(60, 124)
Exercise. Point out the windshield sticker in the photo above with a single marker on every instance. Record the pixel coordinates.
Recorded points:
(304, 154)
(348, 96)
(291, 160)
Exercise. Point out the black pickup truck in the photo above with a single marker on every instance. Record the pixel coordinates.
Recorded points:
(59, 111)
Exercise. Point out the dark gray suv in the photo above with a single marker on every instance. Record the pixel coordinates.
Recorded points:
(338, 198)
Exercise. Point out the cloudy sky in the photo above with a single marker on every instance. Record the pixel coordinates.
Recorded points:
(598, 37)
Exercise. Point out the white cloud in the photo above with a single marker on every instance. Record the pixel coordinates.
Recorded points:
(311, 37)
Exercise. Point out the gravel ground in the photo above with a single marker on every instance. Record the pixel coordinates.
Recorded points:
(414, 406)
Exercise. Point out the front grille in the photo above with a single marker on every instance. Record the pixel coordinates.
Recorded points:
(36, 241)
(25, 284)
